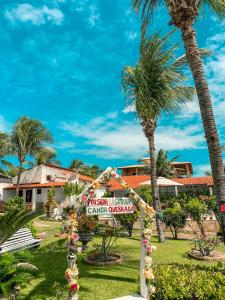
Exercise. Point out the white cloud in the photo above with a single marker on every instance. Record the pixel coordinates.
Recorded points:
(112, 138)
(38, 16)
(65, 145)
(4, 125)
(201, 169)
(94, 16)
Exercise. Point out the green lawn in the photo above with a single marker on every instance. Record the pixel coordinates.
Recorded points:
(97, 283)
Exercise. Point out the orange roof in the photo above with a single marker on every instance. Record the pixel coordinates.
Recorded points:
(132, 181)
(85, 178)
(37, 185)
(207, 180)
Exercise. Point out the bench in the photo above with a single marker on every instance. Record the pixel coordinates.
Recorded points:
(21, 239)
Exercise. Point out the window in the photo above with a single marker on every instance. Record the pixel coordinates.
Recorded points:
(38, 191)
(20, 193)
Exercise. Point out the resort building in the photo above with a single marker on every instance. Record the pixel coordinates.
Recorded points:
(36, 182)
(181, 169)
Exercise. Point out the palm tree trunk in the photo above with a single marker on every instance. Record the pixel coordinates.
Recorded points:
(149, 132)
(18, 178)
(207, 115)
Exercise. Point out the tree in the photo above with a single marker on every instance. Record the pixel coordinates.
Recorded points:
(145, 193)
(51, 203)
(197, 210)
(76, 165)
(164, 167)
(71, 189)
(155, 85)
(4, 164)
(46, 156)
(26, 139)
(175, 218)
(79, 166)
(183, 15)
(128, 221)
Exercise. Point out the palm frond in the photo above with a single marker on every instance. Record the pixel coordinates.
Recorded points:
(26, 267)
(146, 7)
(13, 220)
(217, 6)
(182, 60)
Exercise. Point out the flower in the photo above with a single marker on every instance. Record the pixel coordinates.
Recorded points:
(150, 210)
(148, 274)
(74, 236)
(91, 192)
(148, 260)
(79, 250)
(152, 289)
(145, 241)
(149, 249)
(154, 247)
(73, 286)
(84, 198)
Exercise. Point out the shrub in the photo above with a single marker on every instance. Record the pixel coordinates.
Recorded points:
(128, 221)
(197, 210)
(50, 203)
(145, 193)
(186, 282)
(175, 219)
(32, 228)
(86, 224)
(205, 244)
(14, 203)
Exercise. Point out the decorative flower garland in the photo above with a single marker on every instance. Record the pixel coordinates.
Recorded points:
(71, 274)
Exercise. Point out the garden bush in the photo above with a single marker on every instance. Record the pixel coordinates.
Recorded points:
(188, 282)
(175, 219)
(205, 244)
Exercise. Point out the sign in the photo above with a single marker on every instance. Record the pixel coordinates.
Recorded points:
(222, 208)
(109, 206)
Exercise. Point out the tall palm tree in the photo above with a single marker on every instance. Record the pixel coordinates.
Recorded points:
(4, 164)
(26, 139)
(183, 15)
(155, 85)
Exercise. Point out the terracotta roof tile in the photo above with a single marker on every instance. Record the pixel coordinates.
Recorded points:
(37, 185)
(132, 181)
(207, 180)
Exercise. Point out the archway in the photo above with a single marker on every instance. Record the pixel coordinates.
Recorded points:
(146, 216)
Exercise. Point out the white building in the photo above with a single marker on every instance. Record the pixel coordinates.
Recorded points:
(36, 182)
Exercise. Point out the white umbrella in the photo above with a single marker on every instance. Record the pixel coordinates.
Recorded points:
(162, 181)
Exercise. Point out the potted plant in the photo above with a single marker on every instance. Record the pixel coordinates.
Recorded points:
(86, 228)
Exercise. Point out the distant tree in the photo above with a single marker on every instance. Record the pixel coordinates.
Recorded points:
(46, 156)
(79, 166)
(26, 139)
(145, 193)
(76, 165)
(175, 219)
(197, 210)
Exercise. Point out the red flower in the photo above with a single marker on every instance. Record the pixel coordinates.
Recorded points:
(74, 236)
(73, 287)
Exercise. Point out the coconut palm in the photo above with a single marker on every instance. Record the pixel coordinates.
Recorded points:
(4, 164)
(46, 156)
(183, 15)
(155, 85)
(26, 139)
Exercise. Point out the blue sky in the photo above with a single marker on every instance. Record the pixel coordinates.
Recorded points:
(61, 62)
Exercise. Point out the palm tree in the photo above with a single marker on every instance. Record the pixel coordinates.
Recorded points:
(155, 85)
(183, 15)
(4, 164)
(26, 139)
(46, 156)
(76, 165)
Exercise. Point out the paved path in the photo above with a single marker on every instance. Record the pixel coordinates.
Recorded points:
(130, 297)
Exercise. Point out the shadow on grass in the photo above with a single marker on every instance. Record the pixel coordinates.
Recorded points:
(51, 262)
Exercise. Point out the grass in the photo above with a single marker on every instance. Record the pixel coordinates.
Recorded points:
(97, 283)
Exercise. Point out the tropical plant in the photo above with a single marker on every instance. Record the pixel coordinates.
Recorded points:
(14, 271)
(145, 192)
(205, 244)
(51, 203)
(71, 189)
(128, 220)
(86, 224)
(175, 219)
(13, 220)
(14, 203)
(79, 166)
(155, 85)
(183, 15)
(26, 139)
(197, 210)
(46, 156)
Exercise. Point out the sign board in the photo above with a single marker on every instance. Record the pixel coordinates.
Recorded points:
(109, 206)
